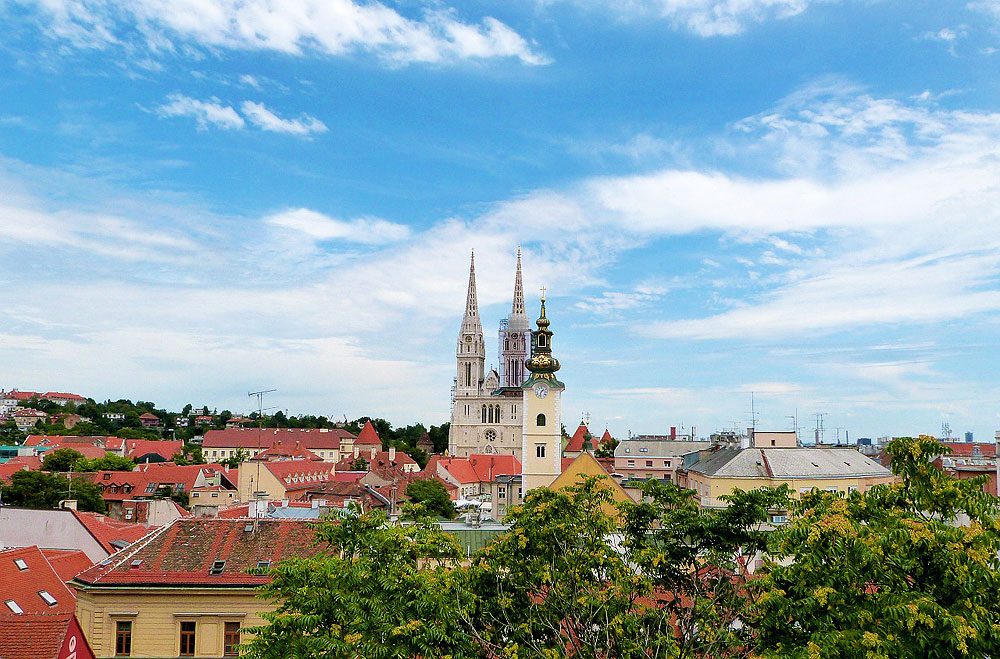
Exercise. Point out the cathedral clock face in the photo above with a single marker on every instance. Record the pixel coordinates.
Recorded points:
(541, 392)
(468, 339)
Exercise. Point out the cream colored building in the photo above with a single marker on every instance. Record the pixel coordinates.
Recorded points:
(837, 470)
(541, 450)
(187, 589)
(486, 404)
(330, 444)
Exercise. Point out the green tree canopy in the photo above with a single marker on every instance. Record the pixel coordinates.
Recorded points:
(110, 462)
(383, 590)
(902, 570)
(36, 489)
(432, 494)
(61, 459)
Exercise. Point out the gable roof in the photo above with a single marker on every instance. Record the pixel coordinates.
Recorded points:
(184, 551)
(587, 465)
(112, 534)
(8, 469)
(67, 563)
(966, 450)
(788, 463)
(279, 451)
(368, 435)
(299, 474)
(23, 586)
(49, 440)
(165, 448)
(477, 468)
(40, 636)
(121, 485)
(251, 438)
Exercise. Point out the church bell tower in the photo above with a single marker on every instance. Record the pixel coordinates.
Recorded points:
(541, 447)
(514, 333)
(471, 350)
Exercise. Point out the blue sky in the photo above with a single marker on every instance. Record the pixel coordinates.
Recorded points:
(794, 198)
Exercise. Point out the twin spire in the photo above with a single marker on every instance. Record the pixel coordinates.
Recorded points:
(472, 302)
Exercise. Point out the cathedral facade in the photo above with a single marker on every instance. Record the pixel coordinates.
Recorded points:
(487, 406)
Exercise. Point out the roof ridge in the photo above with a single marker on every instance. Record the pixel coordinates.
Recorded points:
(132, 549)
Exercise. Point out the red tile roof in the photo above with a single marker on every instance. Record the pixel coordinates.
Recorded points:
(964, 450)
(248, 438)
(32, 462)
(147, 478)
(107, 531)
(63, 396)
(42, 636)
(136, 448)
(183, 552)
(300, 474)
(281, 451)
(8, 469)
(368, 435)
(477, 468)
(67, 563)
(48, 440)
(22, 395)
(88, 451)
(576, 441)
(23, 586)
(149, 415)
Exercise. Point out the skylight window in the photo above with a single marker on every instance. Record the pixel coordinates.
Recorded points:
(136, 563)
(12, 605)
(21, 565)
(47, 596)
(217, 567)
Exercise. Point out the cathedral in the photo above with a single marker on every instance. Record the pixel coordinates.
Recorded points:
(486, 406)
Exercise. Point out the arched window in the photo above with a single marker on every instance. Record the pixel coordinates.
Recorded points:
(468, 374)
(540, 420)
(484, 414)
(498, 413)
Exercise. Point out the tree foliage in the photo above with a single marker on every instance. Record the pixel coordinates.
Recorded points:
(382, 590)
(36, 489)
(61, 459)
(902, 570)
(432, 494)
(110, 462)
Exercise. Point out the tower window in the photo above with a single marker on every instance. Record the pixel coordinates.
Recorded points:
(539, 450)
(484, 414)
(468, 374)
(541, 340)
(540, 420)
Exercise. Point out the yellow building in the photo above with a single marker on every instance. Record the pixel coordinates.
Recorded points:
(839, 470)
(541, 435)
(282, 479)
(585, 465)
(187, 589)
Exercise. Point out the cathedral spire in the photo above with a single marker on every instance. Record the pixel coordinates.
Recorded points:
(518, 307)
(471, 322)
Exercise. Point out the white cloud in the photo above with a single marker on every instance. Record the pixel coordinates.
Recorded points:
(370, 231)
(705, 18)
(294, 27)
(265, 119)
(205, 113)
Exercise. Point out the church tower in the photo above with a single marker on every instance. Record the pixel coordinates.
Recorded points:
(541, 444)
(471, 350)
(514, 333)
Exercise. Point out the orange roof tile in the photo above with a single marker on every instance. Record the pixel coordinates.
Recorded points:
(368, 435)
(42, 636)
(110, 532)
(67, 562)
(24, 586)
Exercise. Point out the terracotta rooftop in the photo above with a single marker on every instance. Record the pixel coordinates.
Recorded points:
(112, 534)
(9, 469)
(48, 440)
(300, 474)
(67, 562)
(279, 451)
(147, 478)
(213, 552)
(63, 396)
(39, 636)
(968, 450)
(368, 435)
(29, 584)
(576, 441)
(136, 448)
(477, 468)
(312, 439)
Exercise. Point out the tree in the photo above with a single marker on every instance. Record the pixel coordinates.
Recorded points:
(36, 489)
(137, 433)
(380, 590)
(607, 450)
(432, 494)
(359, 464)
(10, 433)
(61, 459)
(110, 462)
(236, 459)
(902, 570)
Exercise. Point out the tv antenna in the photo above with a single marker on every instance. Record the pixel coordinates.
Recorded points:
(820, 431)
(260, 428)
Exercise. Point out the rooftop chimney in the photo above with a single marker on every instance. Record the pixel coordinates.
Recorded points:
(673, 432)
(392, 454)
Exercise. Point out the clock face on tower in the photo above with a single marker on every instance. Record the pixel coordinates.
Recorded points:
(541, 392)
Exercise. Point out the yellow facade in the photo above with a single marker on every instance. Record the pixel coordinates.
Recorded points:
(710, 488)
(541, 443)
(587, 465)
(156, 614)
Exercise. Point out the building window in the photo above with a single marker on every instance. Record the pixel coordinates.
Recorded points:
(649, 463)
(123, 638)
(539, 450)
(540, 420)
(484, 414)
(666, 463)
(187, 638)
(468, 374)
(631, 463)
(231, 641)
